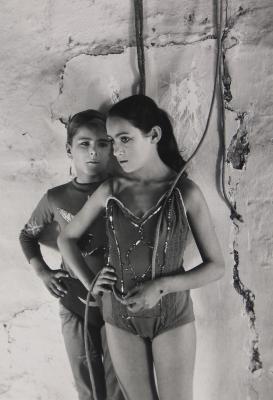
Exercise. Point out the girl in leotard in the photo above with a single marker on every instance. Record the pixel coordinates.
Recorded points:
(146, 301)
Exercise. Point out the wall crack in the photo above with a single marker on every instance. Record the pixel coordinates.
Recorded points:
(107, 49)
(8, 323)
(237, 154)
(248, 297)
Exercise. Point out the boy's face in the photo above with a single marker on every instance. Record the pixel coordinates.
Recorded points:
(90, 151)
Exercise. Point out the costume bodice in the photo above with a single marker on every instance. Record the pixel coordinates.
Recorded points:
(131, 240)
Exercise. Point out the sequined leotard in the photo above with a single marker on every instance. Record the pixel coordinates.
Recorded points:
(131, 241)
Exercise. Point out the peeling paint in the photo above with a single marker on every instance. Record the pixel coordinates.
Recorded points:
(190, 18)
(61, 75)
(164, 42)
(248, 298)
(226, 81)
(238, 149)
(237, 154)
(78, 49)
(106, 48)
(204, 21)
(246, 294)
(101, 49)
(255, 361)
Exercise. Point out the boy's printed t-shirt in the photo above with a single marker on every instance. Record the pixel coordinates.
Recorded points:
(58, 206)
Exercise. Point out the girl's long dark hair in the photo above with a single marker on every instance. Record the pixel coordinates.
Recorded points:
(143, 113)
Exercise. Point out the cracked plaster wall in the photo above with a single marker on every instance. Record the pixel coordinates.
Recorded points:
(60, 57)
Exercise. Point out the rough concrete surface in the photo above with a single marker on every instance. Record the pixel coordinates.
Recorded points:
(60, 57)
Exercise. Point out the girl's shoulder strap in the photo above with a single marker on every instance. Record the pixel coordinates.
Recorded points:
(113, 188)
(186, 186)
(182, 182)
(178, 181)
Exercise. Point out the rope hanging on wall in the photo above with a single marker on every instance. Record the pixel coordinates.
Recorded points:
(140, 44)
(222, 119)
(87, 345)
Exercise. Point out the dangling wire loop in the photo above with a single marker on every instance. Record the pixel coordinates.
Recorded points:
(217, 79)
(87, 344)
(222, 119)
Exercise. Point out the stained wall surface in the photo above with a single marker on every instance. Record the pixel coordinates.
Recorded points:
(60, 57)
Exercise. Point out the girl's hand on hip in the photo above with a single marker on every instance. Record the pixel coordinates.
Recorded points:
(143, 297)
(104, 281)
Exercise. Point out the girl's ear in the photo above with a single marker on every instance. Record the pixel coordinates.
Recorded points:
(68, 150)
(155, 134)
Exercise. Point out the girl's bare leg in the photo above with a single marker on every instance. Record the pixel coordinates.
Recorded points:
(174, 357)
(132, 359)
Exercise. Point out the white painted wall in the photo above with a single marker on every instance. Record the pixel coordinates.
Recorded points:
(60, 57)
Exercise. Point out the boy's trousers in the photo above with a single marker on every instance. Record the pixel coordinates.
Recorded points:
(105, 379)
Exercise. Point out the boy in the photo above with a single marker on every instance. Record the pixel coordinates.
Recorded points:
(89, 148)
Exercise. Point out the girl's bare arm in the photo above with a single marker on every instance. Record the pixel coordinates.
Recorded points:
(68, 238)
(213, 265)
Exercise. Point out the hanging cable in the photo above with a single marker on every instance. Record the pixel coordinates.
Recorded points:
(217, 79)
(88, 340)
(140, 45)
(142, 89)
(222, 119)
(216, 72)
(87, 343)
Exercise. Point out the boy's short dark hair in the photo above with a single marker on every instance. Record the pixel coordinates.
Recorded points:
(88, 118)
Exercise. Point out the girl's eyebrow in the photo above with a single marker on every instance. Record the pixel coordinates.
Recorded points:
(119, 134)
(122, 133)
